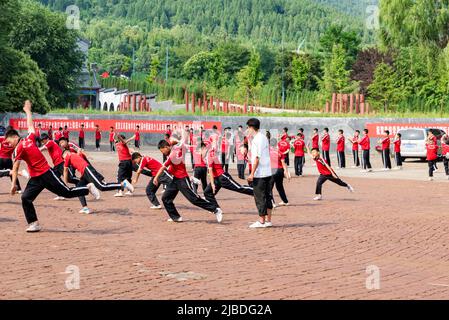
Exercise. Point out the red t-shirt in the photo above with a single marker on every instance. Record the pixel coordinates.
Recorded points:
(151, 164)
(365, 143)
(37, 132)
(386, 143)
(123, 151)
(76, 161)
(176, 161)
(65, 133)
(355, 144)
(58, 135)
(27, 151)
(55, 152)
(341, 144)
(224, 145)
(111, 136)
(137, 138)
(444, 148)
(97, 134)
(315, 141)
(326, 142)
(299, 145)
(397, 145)
(81, 134)
(214, 163)
(50, 134)
(283, 146)
(198, 159)
(432, 151)
(6, 150)
(73, 147)
(321, 166)
(276, 157)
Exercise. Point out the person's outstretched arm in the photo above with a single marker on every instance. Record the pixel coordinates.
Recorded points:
(29, 115)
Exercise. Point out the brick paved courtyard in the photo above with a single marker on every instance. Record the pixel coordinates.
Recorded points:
(316, 251)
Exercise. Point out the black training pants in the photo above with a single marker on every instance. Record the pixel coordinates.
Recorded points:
(262, 195)
(355, 154)
(278, 180)
(322, 179)
(201, 174)
(341, 159)
(50, 181)
(386, 158)
(6, 164)
(299, 164)
(227, 182)
(366, 163)
(151, 189)
(327, 157)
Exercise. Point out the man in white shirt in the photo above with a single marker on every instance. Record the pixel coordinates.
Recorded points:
(260, 174)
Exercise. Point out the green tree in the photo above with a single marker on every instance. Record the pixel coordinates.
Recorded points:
(206, 66)
(43, 35)
(249, 79)
(349, 40)
(155, 66)
(384, 90)
(301, 67)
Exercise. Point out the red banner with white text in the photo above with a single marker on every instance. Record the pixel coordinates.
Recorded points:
(146, 126)
(377, 129)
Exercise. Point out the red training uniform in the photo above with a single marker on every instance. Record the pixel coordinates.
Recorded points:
(27, 151)
(176, 162)
(151, 164)
(299, 145)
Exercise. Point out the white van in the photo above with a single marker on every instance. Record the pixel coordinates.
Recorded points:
(414, 142)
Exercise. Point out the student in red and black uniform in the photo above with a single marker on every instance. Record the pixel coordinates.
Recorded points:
(445, 152)
(97, 137)
(432, 156)
(315, 139)
(66, 133)
(219, 178)
(38, 132)
(181, 183)
(125, 166)
(150, 167)
(6, 152)
(355, 148)
(241, 163)
(326, 145)
(283, 145)
(42, 177)
(365, 144)
(385, 143)
(279, 170)
(81, 136)
(299, 146)
(326, 173)
(168, 131)
(112, 139)
(397, 150)
(58, 135)
(50, 132)
(137, 138)
(225, 148)
(200, 170)
(341, 149)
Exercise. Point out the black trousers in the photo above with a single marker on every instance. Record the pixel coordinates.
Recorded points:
(73, 179)
(432, 164)
(225, 161)
(5, 173)
(112, 146)
(241, 166)
(322, 179)
(50, 181)
(93, 176)
(262, 195)
(287, 159)
(81, 143)
(227, 182)
(299, 164)
(386, 158)
(201, 174)
(355, 155)
(277, 179)
(151, 189)
(125, 171)
(184, 186)
(341, 157)
(137, 144)
(366, 164)
(6, 164)
(327, 157)
(97, 143)
(446, 165)
(398, 158)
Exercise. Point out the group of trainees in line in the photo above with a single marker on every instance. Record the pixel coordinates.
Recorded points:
(72, 166)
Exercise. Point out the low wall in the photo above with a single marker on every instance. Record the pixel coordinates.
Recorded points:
(349, 125)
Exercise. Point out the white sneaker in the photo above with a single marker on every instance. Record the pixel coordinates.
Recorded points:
(128, 193)
(195, 181)
(25, 174)
(176, 220)
(59, 198)
(94, 191)
(219, 215)
(156, 207)
(118, 194)
(318, 198)
(369, 170)
(350, 188)
(430, 179)
(283, 204)
(268, 224)
(257, 225)
(34, 227)
(128, 186)
(19, 192)
(85, 211)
